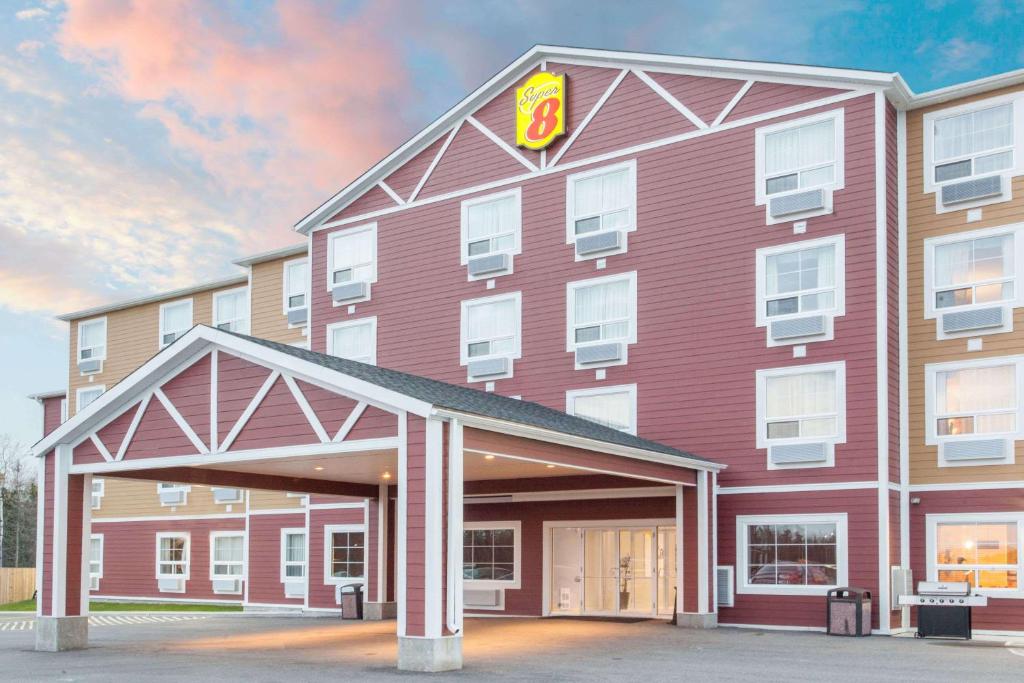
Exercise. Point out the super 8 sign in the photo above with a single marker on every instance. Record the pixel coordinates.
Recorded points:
(540, 110)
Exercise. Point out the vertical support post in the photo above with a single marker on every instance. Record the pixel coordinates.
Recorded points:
(379, 607)
(680, 563)
(701, 613)
(703, 551)
(455, 510)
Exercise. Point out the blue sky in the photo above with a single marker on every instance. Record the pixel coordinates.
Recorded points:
(145, 145)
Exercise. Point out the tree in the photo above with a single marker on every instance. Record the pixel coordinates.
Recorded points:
(17, 505)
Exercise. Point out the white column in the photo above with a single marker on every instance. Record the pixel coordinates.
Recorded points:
(703, 565)
(433, 529)
(86, 542)
(59, 569)
(401, 521)
(680, 579)
(455, 509)
(382, 543)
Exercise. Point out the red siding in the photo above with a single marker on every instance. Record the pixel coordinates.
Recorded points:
(237, 383)
(374, 424)
(113, 434)
(861, 507)
(1000, 614)
(415, 579)
(158, 435)
(705, 97)
(73, 585)
(265, 585)
(375, 198)
(472, 158)
(767, 97)
(51, 414)
(331, 409)
(189, 392)
(86, 453)
(277, 421)
(499, 114)
(405, 179)
(129, 557)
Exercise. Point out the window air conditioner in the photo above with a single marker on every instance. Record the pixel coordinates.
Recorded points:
(976, 188)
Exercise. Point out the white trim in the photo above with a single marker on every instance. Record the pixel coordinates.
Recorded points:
(330, 529)
(433, 164)
(401, 512)
(515, 193)
(78, 347)
(931, 529)
(722, 115)
(761, 196)
(186, 558)
(350, 422)
(100, 495)
(382, 542)
(904, 362)
(588, 118)
(572, 494)
(285, 268)
(154, 298)
(369, 321)
(570, 205)
(570, 312)
(247, 320)
(40, 527)
(241, 578)
(178, 333)
(433, 521)
(628, 389)
(169, 518)
(144, 600)
(882, 379)
(126, 442)
(349, 232)
(742, 554)
(90, 576)
(278, 511)
(214, 403)
(307, 410)
(101, 388)
(391, 193)
(839, 368)
(838, 310)
(517, 342)
(455, 581)
(967, 486)
(680, 522)
(185, 427)
(512, 151)
(101, 447)
(59, 537)
(798, 488)
(703, 561)
(517, 578)
(668, 97)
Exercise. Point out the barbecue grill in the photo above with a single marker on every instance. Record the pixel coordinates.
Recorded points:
(944, 608)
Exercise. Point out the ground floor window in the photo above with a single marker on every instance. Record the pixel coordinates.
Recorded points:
(790, 554)
(981, 549)
(172, 555)
(346, 553)
(491, 554)
(227, 554)
(95, 561)
(293, 556)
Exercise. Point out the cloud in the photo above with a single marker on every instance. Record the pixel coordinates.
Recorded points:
(18, 78)
(31, 13)
(29, 48)
(954, 55)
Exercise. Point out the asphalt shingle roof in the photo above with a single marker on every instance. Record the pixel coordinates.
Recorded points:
(473, 401)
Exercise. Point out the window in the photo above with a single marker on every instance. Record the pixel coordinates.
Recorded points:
(296, 274)
(602, 200)
(172, 555)
(973, 143)
(95, 561)
(491, 328)
(602, 310)
(491, 554)
(175, 320)
(172, 494)
(293, 555)
(92, 340)
(227, 555)
(791, 554)
(98, 491)
(800, 279)
(352, 256)
(803, 404)
(613, 407)
(63, 410)
(795, 156)
(86, 395)
(491, 225)
(345, 550)
(231, 310)
(974, 271)
(354, 339)
(982, 549)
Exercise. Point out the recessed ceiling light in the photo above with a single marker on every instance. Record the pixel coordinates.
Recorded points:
(386, 475)
(488, 457)
(550, 467)
(318, 468)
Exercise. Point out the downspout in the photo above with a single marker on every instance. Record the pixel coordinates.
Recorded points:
(454, 573)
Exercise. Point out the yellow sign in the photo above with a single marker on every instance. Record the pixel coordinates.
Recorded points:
(540, 110)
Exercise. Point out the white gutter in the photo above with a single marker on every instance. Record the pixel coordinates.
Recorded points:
(153, 298)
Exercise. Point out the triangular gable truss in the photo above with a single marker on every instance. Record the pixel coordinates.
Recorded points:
(643, 65)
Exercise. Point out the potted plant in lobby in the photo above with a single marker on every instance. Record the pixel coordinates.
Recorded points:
(625, 575)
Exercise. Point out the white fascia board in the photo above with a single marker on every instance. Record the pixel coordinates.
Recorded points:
(975, 87)
(197, 341)
(153, 298)
(561, 438)
(727, 68)
(293, 250)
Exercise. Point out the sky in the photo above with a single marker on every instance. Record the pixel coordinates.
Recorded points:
(144, 145)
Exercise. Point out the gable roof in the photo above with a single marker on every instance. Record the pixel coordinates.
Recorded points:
(721, 68)
(401, 390)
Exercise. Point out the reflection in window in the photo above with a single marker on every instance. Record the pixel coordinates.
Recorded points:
(982, 553)
(792, 554)
(488, 554)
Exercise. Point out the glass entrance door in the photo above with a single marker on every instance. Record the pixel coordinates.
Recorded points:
(566, 570)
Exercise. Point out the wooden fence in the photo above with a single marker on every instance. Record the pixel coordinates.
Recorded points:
(16, 584)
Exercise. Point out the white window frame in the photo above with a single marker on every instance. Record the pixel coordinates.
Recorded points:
(339, 234)
(84, 323)
(187, 556)
(330, 529)
(570, 205)
(932, 437)
(517, 233)
(370, 321)
(248, 308)
(761, 196)
(517, 533)
(464, 340)
(171, 304)
(214, 536)
(932, 522)
(570, 313)
(285, 282)
(743, 553)
(83, 390)
(838, 243)
(94, 577)
(285, 533)
(839, 368)
(96, 499)
(932, 312)
(628, 389)
(171, 486)
(928, 125)
(63, 410)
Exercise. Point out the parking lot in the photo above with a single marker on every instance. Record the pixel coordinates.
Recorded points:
(260, 648)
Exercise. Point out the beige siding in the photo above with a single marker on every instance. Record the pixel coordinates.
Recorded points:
(135, 498)
(268, 318)
(923, 348)
(273, 500)
(131, 340)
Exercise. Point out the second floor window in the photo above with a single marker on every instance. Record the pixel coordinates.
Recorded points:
(353, 256)
(295, 276)
(231, 310)
(602, 310)
(976, 400)
(490, 327)
(800, 281)
(354, 340)
(973, 143)
(974, 271)
(175, 320)
(801, 404)
(92, 339)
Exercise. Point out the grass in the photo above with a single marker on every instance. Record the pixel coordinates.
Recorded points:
(97, 606)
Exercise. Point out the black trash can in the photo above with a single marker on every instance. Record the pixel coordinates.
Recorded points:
(352, 601)
(848, 612)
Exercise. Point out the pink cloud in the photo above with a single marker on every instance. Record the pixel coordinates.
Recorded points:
(290, 118)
